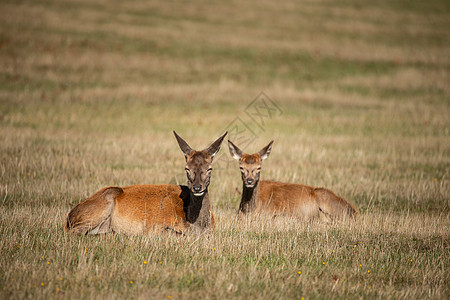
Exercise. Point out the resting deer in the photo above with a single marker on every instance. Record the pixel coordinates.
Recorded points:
(139, 209)
(284, 198)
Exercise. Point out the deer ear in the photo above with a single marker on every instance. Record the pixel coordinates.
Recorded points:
(235, 152)
(264, 152)
(183, 145)
(215, 147)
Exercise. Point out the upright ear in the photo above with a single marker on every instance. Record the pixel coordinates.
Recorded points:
(183, 145)
(215, 147)
(264, 152)
(235, 152)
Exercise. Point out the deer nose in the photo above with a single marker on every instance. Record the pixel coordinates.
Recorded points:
(197, 188)
(249, 181)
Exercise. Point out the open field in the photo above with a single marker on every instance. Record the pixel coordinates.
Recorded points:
(90, 92)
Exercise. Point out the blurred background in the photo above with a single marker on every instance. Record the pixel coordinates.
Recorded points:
(355, 94)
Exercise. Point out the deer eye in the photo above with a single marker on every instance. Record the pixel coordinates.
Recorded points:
(209, 170)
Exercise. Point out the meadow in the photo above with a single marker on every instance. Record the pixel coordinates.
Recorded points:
(355, 94)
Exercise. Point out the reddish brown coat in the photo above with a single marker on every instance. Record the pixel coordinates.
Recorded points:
(139, 209)
(284, 198)
(301, 200)
(135, 209)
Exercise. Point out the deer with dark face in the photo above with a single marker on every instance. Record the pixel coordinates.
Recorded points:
(284, 198)
(140, 209)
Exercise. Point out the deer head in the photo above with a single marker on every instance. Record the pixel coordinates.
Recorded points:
(199, 164)
(250, 164)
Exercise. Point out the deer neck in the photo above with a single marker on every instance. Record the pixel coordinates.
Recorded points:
(249, 198)
(198, 212)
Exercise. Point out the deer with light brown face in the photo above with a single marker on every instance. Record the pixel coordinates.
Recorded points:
(140, 209)
(285, 198)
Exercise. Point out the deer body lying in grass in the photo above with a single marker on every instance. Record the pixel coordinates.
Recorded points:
(139, 209)
(285, 198)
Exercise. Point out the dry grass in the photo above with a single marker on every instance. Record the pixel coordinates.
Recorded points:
(89, 95)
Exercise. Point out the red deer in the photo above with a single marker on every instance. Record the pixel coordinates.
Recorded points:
(140, 209)
(284, 198)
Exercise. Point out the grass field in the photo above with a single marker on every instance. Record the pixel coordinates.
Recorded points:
(90, 92)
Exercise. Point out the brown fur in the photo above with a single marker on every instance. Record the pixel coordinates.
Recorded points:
(93, 214)
(301, 200)
(140, 209)
(285, 198)
(250, 159)
(135, 209)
